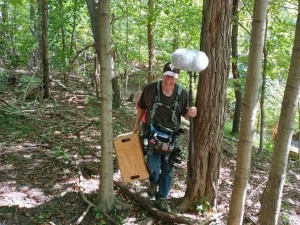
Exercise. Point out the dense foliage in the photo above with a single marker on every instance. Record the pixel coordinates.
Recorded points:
(177, 23)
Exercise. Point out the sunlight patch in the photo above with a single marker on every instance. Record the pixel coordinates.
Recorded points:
(23, 197)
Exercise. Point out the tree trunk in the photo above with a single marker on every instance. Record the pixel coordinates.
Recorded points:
(72, 41)
(63, 36)
(100, 13)
(151, 48)
(127, 47)
(235, 71)
(262, 97)
(271, 199)
(100, 20)
(106, 191)
(115, 79)
(35, 54)
(236, 211)
(299, 132)
(96, 77)
(176, 27)
(94, 15)
(115, 85)
(44, 48)
(202, 182)
(3, 32)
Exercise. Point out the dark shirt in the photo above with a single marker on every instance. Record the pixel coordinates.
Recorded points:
(162, 115)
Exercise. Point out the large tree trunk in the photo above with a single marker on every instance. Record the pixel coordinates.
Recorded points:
(106, 191)
(248, 113)
(94, 15)
(203, 176)
(44, 48)
(100, 13)
(100, 20)
(235, 71)
(151, 48)
(271, 199)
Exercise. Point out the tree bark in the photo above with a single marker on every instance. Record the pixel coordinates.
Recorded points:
(202, 182)
(100, 17)
(106, 190)
(62, 30)
(44, 48)
(235, 71)
(262, 96)
(35, 54)
(151, 47)
(3, 32)
(72, 41)
(236, 211)
(115, 84)
(126, 49)
(271, 199)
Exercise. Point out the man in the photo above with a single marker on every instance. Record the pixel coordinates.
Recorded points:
(163, 102)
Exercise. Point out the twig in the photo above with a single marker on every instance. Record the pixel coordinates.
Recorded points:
(258, 187)
(86, 200)
(27, 88)
(5, 102)
(90, 204)
(59, 84)
(22, 114)
(211, 219)
(81, 129)
(83, 215)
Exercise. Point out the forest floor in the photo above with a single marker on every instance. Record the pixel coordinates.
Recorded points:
(45, 143)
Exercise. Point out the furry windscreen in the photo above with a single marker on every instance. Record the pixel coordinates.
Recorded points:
(189, 60)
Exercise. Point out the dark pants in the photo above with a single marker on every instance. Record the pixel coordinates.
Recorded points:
(160, 170)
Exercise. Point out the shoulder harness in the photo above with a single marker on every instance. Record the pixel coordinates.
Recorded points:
(174, 107)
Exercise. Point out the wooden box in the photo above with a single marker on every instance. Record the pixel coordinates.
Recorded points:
(130, 157)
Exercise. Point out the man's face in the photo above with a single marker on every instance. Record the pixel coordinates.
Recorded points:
(169, 81)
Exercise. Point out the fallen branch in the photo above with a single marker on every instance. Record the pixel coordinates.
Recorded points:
(64, 88)
(169, 217)
(83, 128)
(5, 102)
(90, 204)
(214, 218)
(257, 188)
(72, 61)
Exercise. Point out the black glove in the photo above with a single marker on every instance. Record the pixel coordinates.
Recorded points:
(175, 157)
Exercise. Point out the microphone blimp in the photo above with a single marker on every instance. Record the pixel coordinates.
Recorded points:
(189, 60)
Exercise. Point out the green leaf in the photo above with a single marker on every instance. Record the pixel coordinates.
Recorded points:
(16, 2)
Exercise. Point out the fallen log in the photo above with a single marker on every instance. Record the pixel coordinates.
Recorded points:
(156, 213)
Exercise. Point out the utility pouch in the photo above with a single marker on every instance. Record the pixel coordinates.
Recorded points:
(161, 140)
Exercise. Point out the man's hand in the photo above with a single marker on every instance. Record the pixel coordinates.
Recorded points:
(192, 112)
(136, 128)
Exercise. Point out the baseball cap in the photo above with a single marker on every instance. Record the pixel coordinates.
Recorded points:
(170, 70)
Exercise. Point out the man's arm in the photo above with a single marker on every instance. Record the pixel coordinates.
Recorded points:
(139, 115)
